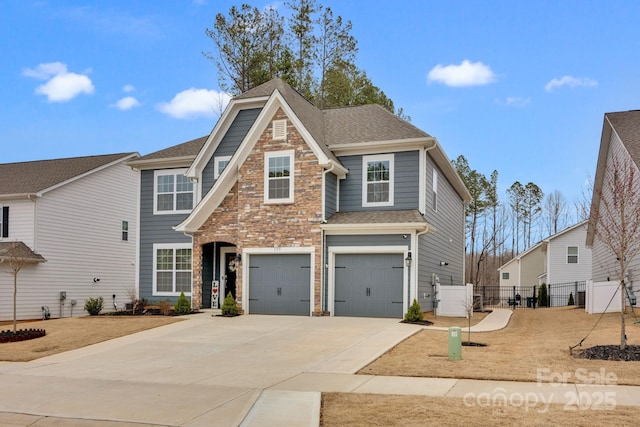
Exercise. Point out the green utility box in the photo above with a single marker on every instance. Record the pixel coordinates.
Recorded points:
(455, 343)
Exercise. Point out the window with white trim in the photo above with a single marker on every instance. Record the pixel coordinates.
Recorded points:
(434, 203)
(171, 269)
(377, 180)
(278, 177)
(505, 275)
(572, 254)
(173, 192)
(220, 163)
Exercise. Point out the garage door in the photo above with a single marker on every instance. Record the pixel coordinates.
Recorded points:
(280, 284)
(369, 285)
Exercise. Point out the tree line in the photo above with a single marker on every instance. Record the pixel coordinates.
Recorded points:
(498, 230)
(305, 45)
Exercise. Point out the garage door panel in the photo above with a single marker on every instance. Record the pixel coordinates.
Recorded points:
(279, 284)
(369, 285)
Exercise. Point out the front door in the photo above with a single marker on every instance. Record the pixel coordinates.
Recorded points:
(230, 275)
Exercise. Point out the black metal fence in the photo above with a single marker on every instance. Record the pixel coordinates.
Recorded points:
(558, 295)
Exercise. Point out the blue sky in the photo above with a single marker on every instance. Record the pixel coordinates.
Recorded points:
(516, 86)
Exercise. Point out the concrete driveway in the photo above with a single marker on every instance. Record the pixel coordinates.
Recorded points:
(204, 371)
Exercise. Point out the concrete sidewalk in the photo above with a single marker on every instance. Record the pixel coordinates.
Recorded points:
(496, 320)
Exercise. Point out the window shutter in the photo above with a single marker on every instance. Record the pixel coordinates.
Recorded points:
(5, 221)
(280, 129)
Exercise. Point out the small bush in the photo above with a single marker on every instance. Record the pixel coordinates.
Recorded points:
(94, 305)
(229, 306)
(164, 306)
(183, 306)
(414, 314)
(543, 296)
(571, 302)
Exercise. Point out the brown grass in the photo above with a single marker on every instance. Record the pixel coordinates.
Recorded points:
(534, 339)
(350, 409)
(72, 333)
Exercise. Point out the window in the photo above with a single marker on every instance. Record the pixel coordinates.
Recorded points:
(278, 179)
(220, 163)
(279, 130)
(572, 254)
(377, 178)
(505, 275)
(434, 204)
(173, 192)
(125, 230)
(4, 222)
(172, 269)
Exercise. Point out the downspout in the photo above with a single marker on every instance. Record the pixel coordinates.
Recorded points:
(323, 275)
(415, 245)
(33, 198)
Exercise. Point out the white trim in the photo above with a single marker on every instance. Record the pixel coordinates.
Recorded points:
(577, 255)
(380, 158)
(246, 258)
(434, 189)
(174, 173)
(272, 154)
(333, 250)
(422, 181)
(216, 165)
(279, 130)
(174, 246)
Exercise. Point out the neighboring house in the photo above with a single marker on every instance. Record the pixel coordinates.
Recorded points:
(560, 258)
(296, 210)
(74, 221)
(619, 145)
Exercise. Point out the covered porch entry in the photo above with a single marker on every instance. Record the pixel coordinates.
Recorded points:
(218, 273)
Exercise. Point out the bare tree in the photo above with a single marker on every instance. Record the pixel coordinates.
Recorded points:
(555, 212)
(615, 220)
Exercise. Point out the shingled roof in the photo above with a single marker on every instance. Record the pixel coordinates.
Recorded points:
(627, 125)
(19, 251)
(186, 149)
(33, 177)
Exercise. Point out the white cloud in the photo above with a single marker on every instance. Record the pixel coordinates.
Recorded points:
(514, 101)
(466, 74)
(126, 103)
(192, 103)
(571, 82)
(128, 88)
(62, 85)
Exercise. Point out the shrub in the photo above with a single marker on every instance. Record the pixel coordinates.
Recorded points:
(543, 296)
(183, 306)
(94, 305)
(164, 306)
(414, 314)
(571, 302)
(229, 306)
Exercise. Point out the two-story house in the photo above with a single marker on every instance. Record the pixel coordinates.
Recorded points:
(295, 210)
(74, 222)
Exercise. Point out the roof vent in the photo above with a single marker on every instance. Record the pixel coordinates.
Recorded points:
(280, 129)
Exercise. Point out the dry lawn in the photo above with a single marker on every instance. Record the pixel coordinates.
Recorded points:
(534, 339)
(72, 333)
(349, 409)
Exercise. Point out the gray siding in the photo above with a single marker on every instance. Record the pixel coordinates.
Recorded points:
(153, 229)
(330, 195)
(406, 175)
(446, 244)
(229, 143)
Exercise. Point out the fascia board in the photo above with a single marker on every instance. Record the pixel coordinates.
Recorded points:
(378, 146)
(170, 162)
(384, 228)
(219, 131)
(603, 154)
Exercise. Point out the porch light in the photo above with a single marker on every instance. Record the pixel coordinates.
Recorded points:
(408, 259)
(238, 258)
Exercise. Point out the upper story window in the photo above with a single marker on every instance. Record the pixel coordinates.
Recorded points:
(173, 192)
(278, 177)
(220, 164)
(377, 180)
(434, 203)
(505, 275)
(4, 222)
(572, 254)
(125, 231)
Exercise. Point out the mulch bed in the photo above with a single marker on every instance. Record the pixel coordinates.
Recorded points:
(21, 335)
(631, 353)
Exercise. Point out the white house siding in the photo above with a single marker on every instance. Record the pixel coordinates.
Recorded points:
(558, 269)
(21, 214)
(79, 233)
(513, 268)
(604, 265)
(532, 266)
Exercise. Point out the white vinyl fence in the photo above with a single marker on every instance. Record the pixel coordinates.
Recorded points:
(599, 295)
(454, 300)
